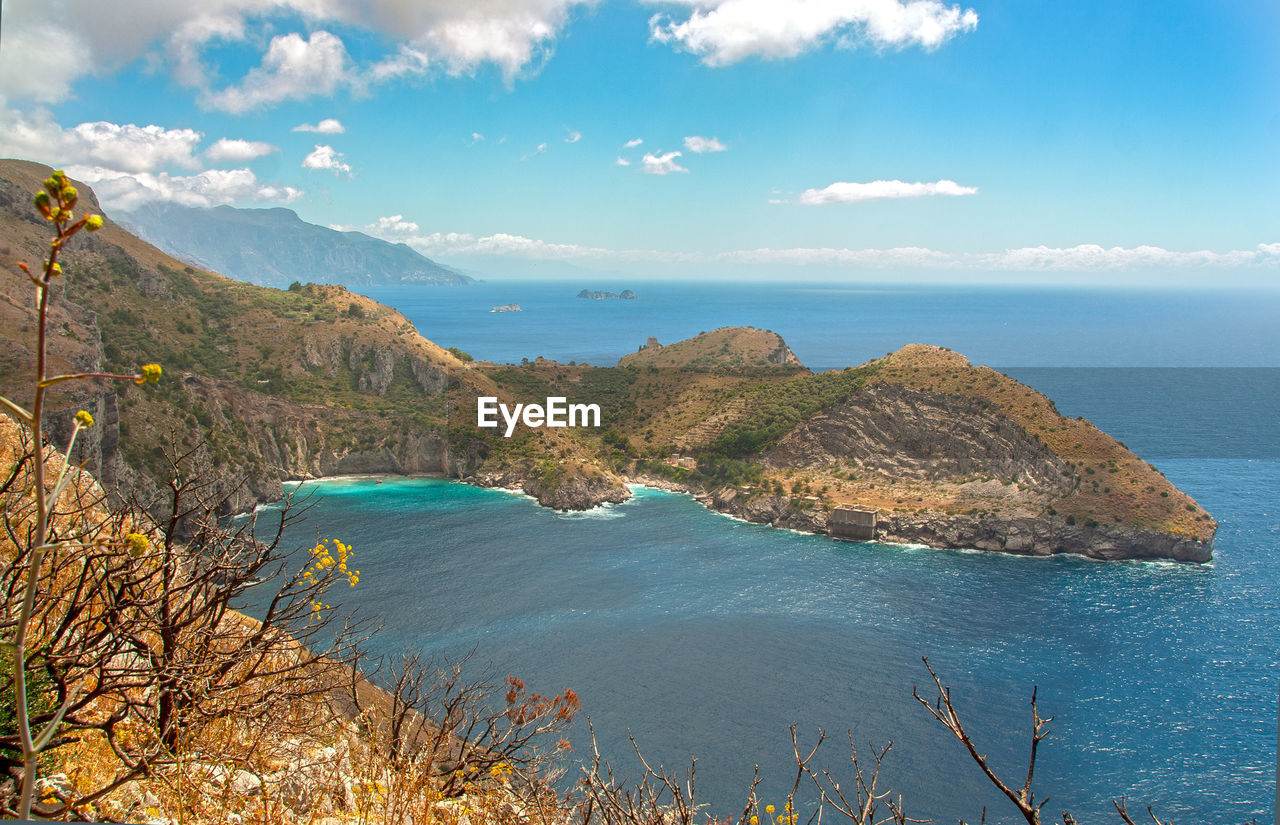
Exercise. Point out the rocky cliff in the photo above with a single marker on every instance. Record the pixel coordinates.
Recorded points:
(274, 384)
(944, 453)
(316, 380)
(1026, 535)
(953, 456)
(560, 486)
(909, 433)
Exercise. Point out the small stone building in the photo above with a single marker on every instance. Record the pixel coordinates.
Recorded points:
(854, 523)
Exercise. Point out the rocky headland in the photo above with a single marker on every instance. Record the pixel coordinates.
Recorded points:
(314, 380)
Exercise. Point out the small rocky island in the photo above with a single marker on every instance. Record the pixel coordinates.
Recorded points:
(625, 295)
(507, 308)
(920, 446)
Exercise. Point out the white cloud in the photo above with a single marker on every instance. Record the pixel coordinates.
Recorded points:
(188, 41)
(1093, 258)
(633, 143)
(328, 126)
(453, 36)
(239, 151)
(125, 191)
(845, 192)
(910, 257)
(501, 244)
(292, 69)
(726, 31)
(389, 228)
(128, 165)
(542, 147)
(407, 61)
(327, 159)
(573, 137)
(622, 162)
(476, 137)
(662, 164)
(26, 70)
(127, 147)
(1083, 258)
(510, 34)
(700, 145)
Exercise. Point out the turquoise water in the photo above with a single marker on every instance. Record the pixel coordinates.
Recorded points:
(707, 636)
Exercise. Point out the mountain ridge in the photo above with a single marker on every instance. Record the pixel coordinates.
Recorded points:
(274, 247)
(316, 380)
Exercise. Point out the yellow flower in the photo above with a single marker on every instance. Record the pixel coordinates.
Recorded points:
(149, 374)
(136, 544)
(769, 809)
(93, 223)
(84, 419)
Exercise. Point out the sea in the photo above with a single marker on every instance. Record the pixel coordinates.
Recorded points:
(703, 637)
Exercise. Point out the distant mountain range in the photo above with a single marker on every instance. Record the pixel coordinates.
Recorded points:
(918, 447)
(274, 247)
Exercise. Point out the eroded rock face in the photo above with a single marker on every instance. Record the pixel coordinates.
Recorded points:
(578, 491)
(1023, 536)
(1041, 537)
(568, 487)
(927, 436)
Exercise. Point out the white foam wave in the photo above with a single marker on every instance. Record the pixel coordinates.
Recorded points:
(602, 513)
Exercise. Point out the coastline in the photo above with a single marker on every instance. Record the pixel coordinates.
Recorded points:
(1014, 537)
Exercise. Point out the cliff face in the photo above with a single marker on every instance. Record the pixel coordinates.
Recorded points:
(275, 384)
(561, 486)
(1029, 536)
(316, 380)
(946, 453)
(274, 439)
(916, 434)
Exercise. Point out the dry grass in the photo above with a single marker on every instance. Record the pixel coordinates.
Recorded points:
(736, 348)
(1115, 485)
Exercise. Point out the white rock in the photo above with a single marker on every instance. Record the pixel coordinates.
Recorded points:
(246, 784)
(58, 784)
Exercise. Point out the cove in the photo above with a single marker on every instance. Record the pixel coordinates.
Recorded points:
(707, 636)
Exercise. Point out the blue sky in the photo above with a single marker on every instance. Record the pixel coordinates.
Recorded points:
(848, 139)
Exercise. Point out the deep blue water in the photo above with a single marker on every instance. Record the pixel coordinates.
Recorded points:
(829, 327)
(709, 636)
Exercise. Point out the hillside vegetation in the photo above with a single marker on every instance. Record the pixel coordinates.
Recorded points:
(282, 383)
(316, 380)
(731, 349)
(132, 687)
(949, 453)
